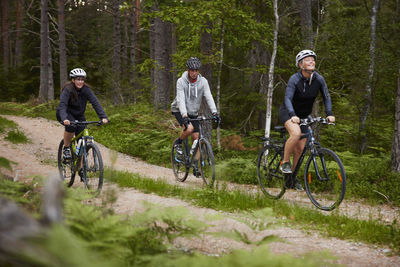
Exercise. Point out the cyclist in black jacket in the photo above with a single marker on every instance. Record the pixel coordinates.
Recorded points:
(73, 100)
(302, 90)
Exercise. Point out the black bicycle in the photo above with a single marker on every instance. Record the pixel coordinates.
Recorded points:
(199, 156)
(86, 159)
(324, 174)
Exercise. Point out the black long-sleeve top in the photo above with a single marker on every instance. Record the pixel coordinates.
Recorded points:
(300, 95)
(76, 106)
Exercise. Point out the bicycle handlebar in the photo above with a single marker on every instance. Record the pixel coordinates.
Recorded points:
(80, 123)
(310, 120)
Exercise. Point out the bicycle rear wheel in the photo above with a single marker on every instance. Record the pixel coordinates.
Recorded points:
(325, 179)
(178, 162)
(92, 170)
(270, 177)
(206, 162)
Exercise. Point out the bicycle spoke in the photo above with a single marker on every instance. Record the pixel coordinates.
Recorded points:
(206, 163)
(179, 165)
(92, 174)
(270, 178)
(325, 179)
(65, 169)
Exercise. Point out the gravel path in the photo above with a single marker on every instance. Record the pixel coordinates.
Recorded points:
(39, 158)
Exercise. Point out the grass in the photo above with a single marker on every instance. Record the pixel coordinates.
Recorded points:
(332, 224)
(17, 137)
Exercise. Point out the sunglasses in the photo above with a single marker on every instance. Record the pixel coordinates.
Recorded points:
(80, 79)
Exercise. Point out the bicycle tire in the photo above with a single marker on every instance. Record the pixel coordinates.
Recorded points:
(93, 170)
(178, 162)
(270, 177)
(325, 193)
(206, 163)
(66, 169)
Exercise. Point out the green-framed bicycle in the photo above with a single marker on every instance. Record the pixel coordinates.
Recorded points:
(86, 159)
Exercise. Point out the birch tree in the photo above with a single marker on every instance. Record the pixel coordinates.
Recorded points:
(368, 90)
(270, 90)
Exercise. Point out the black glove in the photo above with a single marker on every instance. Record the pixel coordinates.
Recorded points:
(217, 118)
(185, 122)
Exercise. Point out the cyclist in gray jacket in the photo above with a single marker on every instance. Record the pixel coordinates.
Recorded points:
(191, 87)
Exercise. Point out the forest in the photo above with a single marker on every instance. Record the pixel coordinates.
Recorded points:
(133, 52)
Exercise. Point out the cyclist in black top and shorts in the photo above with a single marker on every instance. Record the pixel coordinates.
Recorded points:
(302, 90)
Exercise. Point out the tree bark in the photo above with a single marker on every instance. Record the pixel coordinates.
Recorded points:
(368, 90)
(162, 74)
(207, 72)
(18, 38)
(396, 134)
(50, 90)
(132, 51)
(221, 60)
(4, 33)
(44, 52)
(116, 59)
(306, 23)
(62, 44)
(271, 72)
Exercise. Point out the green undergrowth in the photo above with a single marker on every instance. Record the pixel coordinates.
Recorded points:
(24, 194)
(11, 131)
(330, 224)
(140, 131)
(92, 235)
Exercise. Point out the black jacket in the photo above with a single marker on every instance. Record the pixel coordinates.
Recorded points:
(76, 107)
(300, 95)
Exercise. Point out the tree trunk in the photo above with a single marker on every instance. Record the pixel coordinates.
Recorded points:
(18, 38)
(116, 59)
(306, 23)
(221, 60)
(44, 52)
(62, 44)
(4, 33)
(50, 89)
(396, 134)
(368, 90)
(132, 51)
(162, 75)
(271, 72)
(206, 71)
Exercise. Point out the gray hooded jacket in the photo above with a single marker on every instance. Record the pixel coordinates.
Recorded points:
(189, 95)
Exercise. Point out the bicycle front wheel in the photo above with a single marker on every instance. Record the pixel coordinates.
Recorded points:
(270, 177)
(206, 162)
(178, 162)
(325, 179)
(65, 168)
(92, 170)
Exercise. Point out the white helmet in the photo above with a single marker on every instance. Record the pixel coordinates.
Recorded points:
(303, 54)
(78, 72)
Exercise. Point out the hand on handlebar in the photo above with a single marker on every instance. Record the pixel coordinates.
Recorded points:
(331, 119)
(185, 121)
(104, 121)
(295, 119)
(217, 118)
(66, 122)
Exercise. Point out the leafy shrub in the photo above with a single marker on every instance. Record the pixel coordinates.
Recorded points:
(237, 170)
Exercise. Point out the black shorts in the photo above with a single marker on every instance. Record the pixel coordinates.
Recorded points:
(284, 117)
(72, 129)
(179, 118)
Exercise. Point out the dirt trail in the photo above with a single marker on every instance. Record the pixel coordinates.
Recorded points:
(39, 158)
